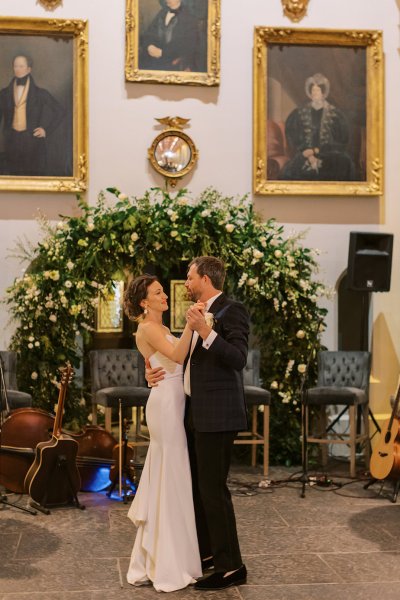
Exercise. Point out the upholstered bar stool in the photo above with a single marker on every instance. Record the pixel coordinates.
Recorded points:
(256, 396)
(343, 381)
(118, 375)
(16, 399)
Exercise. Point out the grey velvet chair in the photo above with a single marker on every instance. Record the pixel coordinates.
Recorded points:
(118, 375)
(16, 399)
(256, 396)
(343, 381)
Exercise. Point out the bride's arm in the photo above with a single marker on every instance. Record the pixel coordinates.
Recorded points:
(155, 337)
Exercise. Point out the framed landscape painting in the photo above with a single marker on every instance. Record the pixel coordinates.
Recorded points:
(173, 41)
(318, 112)
(43, 104)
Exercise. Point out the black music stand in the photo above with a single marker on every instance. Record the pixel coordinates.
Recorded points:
(6, 410)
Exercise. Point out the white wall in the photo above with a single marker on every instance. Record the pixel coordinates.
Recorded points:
(121, 118)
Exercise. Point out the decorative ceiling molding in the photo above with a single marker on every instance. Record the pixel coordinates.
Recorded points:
(296, 9)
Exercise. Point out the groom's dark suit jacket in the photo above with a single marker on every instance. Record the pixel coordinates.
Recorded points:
(216, 379)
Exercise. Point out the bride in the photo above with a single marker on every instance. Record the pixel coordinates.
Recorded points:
(166, 551)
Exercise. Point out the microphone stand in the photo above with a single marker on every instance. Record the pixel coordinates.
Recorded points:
(6, 413)
(304, 478)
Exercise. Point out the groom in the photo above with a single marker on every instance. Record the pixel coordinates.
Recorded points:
(215, 413)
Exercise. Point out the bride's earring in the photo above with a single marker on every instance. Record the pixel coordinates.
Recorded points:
(145, 311)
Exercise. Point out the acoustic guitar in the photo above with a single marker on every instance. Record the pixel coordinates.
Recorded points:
(53, 478)
(385, 459)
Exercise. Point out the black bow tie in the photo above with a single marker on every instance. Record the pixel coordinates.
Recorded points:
(21, 80)
(175, 10)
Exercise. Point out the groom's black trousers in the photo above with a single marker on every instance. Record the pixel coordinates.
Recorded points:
(210, 458)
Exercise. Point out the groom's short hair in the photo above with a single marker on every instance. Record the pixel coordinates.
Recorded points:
(211, 266)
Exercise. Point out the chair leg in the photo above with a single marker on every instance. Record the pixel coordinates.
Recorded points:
(323, 425)
(367, 446)
(94, 414)
(108, 418)
(352, 416)
(266, 440)
(254, 431)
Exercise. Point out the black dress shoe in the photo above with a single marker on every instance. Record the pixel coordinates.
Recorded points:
(217, 581)
(207, 563)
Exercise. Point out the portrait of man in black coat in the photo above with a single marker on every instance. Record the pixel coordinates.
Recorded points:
(28, 114)
(171, 42)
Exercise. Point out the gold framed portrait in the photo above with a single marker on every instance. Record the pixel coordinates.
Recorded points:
(179, 303)
(110, 313)
(318, 112)
(43, 105)
(173, 41)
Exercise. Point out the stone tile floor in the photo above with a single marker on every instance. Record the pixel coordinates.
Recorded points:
(333, 544)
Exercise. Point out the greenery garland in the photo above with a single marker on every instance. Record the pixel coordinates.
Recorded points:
(54, 302)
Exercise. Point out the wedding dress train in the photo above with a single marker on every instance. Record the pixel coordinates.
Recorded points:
(166, 549)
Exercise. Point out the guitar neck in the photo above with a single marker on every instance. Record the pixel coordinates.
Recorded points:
(66, 375)
(395, 406)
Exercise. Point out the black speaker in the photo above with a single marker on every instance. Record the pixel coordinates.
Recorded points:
(370, 261)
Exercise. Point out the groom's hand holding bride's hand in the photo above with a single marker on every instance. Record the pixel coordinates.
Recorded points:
(196, 320)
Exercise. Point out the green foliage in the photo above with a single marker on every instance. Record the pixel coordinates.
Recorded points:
(273, 274)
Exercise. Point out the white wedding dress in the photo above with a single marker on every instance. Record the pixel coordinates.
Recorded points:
(166, 550)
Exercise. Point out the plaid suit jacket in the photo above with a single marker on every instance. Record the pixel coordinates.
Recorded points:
(216, 378)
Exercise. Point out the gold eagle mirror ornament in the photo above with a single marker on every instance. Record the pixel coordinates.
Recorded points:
(173, 153)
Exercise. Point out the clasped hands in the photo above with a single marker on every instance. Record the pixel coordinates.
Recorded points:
(196, 321)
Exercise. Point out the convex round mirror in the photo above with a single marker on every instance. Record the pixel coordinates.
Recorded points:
(173, 153)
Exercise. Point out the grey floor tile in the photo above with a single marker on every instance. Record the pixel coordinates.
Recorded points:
(289, 569)
(362, 591)
(366, 567)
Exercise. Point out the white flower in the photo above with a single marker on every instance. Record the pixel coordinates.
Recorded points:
(209, 319)
(276, 274)
(301, 368)
(229, 227)
(157, 245)
(68, 284)
(82, 402)
(31, 338)
(205, 213)
(274, 385)
(70, 265)
(182, 201)
(258, 254)
(94, 284)
(90, 226)
(122, 196)
(278, 253)
(274, 242)
(300, 334)
(174, 233)
(80, 285)
(53, 318)
(174, 217)
(64, 300)
(134, 236)
(30, 346)
(34, 375)
(251, 281)
(37, 344)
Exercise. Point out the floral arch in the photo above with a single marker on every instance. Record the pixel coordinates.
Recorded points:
(274, 275)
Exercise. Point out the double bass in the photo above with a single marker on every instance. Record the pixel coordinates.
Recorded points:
(53, 478)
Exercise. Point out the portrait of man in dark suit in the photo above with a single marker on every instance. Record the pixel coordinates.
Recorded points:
(173, 38)
(29, 114)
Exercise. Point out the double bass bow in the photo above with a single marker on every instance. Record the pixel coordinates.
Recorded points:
(53, 478)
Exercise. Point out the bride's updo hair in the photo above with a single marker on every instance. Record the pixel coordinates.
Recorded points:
(135, 293)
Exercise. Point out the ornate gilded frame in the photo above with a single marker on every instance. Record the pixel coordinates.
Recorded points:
(76, 31)
(266, 38)
(208, 77)
(179, 303)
